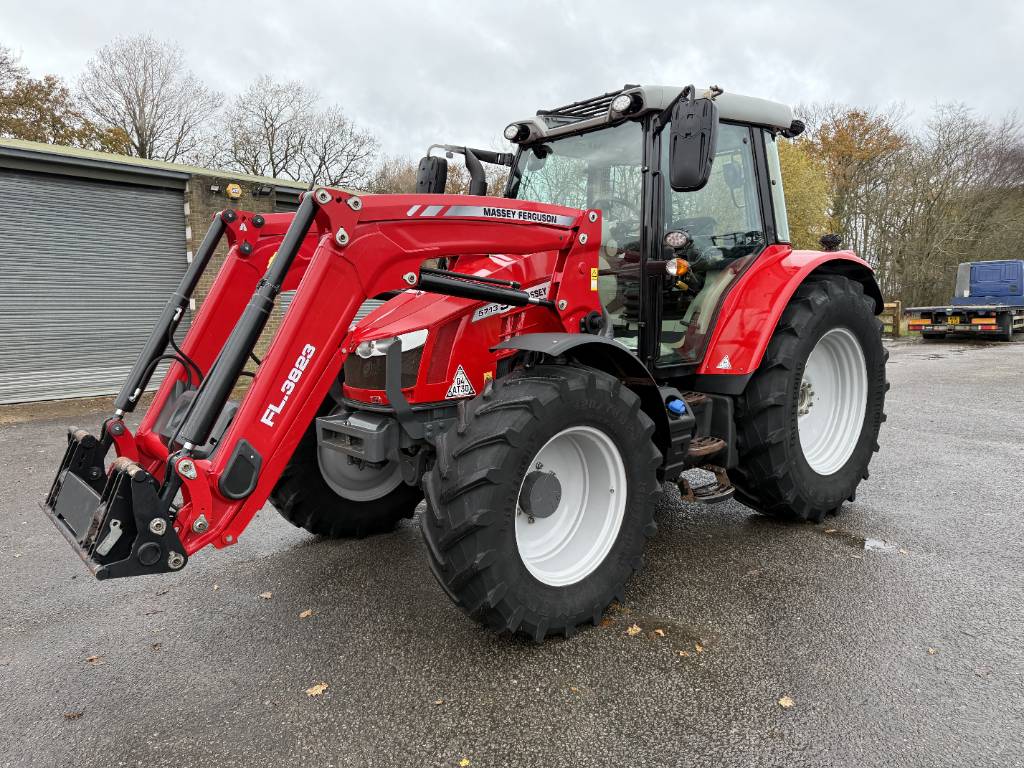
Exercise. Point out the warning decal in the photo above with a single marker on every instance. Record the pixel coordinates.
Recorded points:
(461, 386)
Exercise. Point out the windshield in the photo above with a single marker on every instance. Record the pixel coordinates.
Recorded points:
(600, 169)
(582, 170)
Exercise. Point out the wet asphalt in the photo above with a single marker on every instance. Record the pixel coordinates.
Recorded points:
(905, 653)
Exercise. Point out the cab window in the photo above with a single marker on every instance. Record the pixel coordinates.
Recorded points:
(601, 169)
(723, 220)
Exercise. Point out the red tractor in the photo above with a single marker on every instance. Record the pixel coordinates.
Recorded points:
(542, 363)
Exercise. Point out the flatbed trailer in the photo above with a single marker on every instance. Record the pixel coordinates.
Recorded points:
(985, 320)
(988, 301)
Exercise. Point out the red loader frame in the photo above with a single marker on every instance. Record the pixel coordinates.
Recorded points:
(336, 251)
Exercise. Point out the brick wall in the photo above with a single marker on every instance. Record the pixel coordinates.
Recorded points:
(201, 203)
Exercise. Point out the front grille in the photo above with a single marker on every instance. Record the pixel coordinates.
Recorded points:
(370, 372)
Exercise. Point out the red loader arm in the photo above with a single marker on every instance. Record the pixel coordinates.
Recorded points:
(336, 251)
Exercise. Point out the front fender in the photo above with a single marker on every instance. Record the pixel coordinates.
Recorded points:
(751, 310)
(611, 357)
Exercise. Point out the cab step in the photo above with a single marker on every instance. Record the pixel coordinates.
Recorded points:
(710, 493)
(702, 447)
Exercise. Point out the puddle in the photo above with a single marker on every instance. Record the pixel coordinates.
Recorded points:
(879, 545)
(861, 542)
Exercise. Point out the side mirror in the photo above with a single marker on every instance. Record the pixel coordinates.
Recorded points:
(692, 141)
(431, 175)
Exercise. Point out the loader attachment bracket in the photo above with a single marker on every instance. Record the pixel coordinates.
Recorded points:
(116, 520)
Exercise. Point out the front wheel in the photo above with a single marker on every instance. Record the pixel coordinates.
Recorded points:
(810, 415)
(541, 502)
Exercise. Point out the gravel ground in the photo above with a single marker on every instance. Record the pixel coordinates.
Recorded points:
(903, 652)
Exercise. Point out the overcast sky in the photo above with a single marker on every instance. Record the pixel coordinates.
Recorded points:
(418, 72)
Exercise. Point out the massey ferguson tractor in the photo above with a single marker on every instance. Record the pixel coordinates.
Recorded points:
(629, 314)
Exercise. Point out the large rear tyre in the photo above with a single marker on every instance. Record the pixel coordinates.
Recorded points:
(1006, 332)
(315, 498)
(542, 499)
(808, 421)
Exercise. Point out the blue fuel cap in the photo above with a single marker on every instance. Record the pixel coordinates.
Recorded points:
(676, 406)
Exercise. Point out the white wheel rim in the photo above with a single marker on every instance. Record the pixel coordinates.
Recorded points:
(568, 545)
(832, 401)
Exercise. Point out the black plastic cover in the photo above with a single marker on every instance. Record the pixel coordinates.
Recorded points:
(243, 470)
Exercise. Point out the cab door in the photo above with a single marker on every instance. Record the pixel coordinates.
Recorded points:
(725, 221)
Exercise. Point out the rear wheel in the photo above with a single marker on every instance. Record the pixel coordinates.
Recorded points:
(321, 491)
(1006, 333)
(541, 502)
(809, 418)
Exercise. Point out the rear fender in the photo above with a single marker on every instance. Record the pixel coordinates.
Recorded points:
(752, 309)
(605, 355)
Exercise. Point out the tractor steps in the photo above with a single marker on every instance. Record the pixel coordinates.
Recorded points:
(710, 493)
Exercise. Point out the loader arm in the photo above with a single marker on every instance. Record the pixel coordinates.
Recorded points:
(336, 250)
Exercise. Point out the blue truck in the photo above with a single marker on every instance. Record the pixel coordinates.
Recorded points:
(989, 300)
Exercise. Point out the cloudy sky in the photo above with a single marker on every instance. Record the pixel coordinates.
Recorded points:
(418, 72)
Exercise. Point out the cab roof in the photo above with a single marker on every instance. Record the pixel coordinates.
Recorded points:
(596, 111)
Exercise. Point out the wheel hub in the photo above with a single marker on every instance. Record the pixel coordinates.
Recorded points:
(540, 494)
(806, 397)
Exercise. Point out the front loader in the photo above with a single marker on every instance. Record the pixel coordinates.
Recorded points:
(629, 314)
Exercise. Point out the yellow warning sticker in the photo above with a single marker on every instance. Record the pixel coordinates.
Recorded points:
(488, 376)
(593, 278)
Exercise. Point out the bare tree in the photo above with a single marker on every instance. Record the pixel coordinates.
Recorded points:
(276, 129)
(11, 70)
(141, 86)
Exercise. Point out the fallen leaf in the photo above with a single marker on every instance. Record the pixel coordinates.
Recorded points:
(698, 648)
(659, 632)
(157, 646)
(306, 613)
(94, 659)
(463, 762)
(316, 690)
(633, 630)
(932, 651)
(607, 621)
(266, 595)
(787, 702)
(438, 702)
(573, 689)
(72, 715)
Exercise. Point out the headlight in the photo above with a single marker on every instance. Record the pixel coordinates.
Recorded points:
(378, 347)
(517, 132)
(367, 368)
(625, 103)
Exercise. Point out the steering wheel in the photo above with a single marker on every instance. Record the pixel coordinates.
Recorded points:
(609, 202)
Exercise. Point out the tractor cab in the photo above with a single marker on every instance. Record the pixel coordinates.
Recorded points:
(672, 243)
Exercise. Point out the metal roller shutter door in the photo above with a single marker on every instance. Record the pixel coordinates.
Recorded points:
(85, 269)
